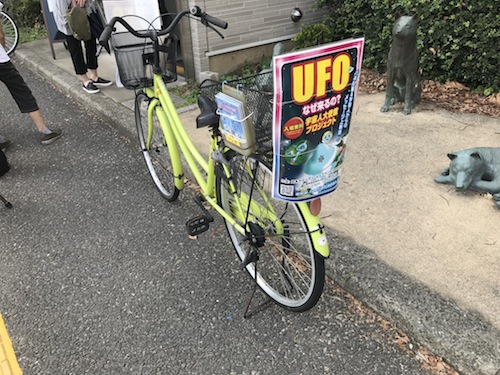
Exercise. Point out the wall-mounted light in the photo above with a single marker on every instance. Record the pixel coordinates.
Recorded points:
(296, 14)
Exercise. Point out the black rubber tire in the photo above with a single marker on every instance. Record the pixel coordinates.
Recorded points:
(11, 32)
(157, 156)
(289, 270)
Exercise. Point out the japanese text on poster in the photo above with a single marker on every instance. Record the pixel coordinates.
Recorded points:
(314, 92)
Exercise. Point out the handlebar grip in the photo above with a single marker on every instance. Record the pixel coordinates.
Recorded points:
(197, 12)
(216, 21)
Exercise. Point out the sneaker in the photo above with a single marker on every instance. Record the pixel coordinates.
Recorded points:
(101, 82)
(5, 145)
(47, 139)
(90, 88)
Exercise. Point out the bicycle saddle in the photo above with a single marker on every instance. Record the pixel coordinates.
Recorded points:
(208, 115)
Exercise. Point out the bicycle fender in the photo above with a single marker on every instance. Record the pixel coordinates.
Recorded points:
(317, 231)
(172, 148)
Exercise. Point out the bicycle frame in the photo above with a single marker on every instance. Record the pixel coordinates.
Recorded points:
(179, 142)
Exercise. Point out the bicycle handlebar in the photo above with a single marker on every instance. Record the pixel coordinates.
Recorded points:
(195, 11)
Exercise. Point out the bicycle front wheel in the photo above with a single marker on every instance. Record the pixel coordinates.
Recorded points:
(285, 264)
(11, 32)
(156, 153)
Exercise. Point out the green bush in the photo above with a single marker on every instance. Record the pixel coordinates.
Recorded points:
(457, 39)
(313, 35)
(28, 34)
(26, 13)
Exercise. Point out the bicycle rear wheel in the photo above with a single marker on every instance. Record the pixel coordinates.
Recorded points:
(288, 269)
(11, 32)
(157, 154)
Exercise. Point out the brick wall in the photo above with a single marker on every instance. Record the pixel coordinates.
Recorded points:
(252, 23)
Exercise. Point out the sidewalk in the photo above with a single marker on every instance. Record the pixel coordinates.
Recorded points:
(421, 254)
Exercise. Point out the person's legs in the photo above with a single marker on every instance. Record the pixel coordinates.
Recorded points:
(17, 87)
(90, 52)
(48, 135)
(76, 52)
(86, 68)
(36, 117)
(92, 65)
(25, 100)
(4, 142)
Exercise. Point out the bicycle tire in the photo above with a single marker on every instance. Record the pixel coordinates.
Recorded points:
(10, 31)
(157, 155)
(289, 270)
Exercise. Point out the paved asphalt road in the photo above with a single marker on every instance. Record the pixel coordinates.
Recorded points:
(98, 275)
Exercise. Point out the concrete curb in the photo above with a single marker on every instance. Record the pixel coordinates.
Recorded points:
(105, 107)
(464, 339)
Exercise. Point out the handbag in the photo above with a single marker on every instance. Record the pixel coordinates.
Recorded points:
(78, 22)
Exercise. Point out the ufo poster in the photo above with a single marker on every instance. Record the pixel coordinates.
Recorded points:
(314, 91)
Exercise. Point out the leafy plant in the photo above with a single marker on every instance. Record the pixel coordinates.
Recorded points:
(28, 34)
(248, 70)
(188, 93)
(26, 13)
(457, 39)
(313, 35)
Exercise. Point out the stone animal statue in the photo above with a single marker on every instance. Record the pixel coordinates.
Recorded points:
(475, 169)
(403, 77)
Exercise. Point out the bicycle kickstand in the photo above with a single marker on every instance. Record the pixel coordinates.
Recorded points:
(5, 202)
(249, 313)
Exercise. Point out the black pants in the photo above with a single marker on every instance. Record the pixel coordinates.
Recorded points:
(80, 63)
(18, 88)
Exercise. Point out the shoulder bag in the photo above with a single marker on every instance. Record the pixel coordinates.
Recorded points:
(78, 21)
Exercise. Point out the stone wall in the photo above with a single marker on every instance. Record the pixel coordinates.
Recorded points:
(254, 25)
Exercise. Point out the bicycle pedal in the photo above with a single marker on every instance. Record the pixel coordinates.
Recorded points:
(197, 225)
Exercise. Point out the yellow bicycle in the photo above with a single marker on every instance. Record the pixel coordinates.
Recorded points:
(282, 245)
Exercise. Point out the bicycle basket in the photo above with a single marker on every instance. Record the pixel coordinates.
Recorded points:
(259, 103)
(134, 59)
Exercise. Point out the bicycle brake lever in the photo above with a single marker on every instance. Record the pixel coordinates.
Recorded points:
(99, 49)
(214, 29)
